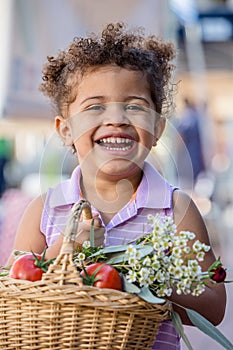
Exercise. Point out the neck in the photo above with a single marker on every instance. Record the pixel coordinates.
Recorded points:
(109, 195)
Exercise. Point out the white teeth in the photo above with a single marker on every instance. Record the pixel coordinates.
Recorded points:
(115, 140)
(108, 142)
(118, 149)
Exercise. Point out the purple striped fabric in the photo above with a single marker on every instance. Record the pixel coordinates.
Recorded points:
(154, 195)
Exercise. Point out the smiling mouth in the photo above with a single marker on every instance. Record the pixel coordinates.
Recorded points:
(116, 143)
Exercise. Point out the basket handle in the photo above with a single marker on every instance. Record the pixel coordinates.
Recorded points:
(82, 206)
(63, 270)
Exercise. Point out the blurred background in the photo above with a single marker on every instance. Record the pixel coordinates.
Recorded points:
(197, 148)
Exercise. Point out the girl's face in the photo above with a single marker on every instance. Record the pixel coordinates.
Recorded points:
(112, 122)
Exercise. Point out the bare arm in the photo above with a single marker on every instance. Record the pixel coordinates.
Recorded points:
(211, 304)
(30, 238)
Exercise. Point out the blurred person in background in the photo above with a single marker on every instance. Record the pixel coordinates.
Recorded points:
(188, 128)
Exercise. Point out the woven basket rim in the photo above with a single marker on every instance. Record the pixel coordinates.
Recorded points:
(48, 291)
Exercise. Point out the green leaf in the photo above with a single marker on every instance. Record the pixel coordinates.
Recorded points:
(148, 296)
(116, 258)
(215, 265)
(129, 287)
(176, 320)
(144, 250)
(111, 249)
(117, 253)
(208, 328)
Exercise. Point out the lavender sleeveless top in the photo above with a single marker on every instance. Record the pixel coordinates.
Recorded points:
(154, 195)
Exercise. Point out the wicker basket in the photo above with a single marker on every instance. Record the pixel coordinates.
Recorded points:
(61, 313)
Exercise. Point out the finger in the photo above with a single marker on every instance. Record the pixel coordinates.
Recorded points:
(97, 222)
(86, 225)
(96, 218)
(87, 214)
(99, 236)
(85, 218)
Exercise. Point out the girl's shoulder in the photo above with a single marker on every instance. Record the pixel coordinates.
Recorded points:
(187, 215)
(38, 202)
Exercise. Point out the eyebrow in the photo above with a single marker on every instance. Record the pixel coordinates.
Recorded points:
(126, 100)
(138, 98)
(92, 98)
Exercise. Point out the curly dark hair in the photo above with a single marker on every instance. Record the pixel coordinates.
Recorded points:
(115, 45)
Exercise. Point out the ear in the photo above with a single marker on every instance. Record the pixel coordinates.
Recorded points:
(63, 128)
(159, 128)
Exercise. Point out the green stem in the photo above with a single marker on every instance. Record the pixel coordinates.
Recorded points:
(92, 234)
(2, 274)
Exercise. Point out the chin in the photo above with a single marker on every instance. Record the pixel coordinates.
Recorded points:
(120, 171)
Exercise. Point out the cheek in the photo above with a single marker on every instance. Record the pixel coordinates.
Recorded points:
(82, 129)
(83, 144)
(147, 135)
(145, 124)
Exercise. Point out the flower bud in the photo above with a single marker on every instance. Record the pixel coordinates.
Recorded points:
(218, 275)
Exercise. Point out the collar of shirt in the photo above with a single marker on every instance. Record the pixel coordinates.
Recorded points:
(153, 192)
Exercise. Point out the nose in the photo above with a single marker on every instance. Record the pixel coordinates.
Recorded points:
(115, 115)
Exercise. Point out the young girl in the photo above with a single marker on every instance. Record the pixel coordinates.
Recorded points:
(112, 93)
